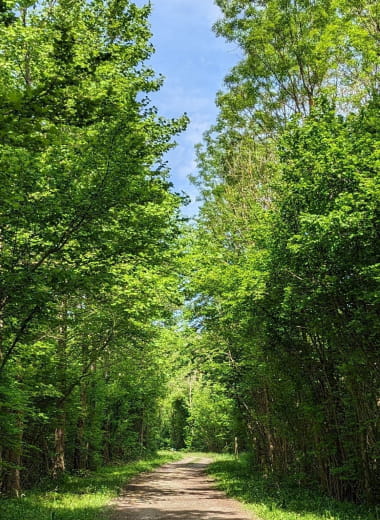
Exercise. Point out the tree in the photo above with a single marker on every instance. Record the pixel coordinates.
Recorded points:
(83, 190)
(284, 291)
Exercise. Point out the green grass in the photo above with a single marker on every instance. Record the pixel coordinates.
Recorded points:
(79, 497)
(86, 497)
(286, 502)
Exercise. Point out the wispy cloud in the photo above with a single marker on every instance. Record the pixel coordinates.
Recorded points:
(194, 63)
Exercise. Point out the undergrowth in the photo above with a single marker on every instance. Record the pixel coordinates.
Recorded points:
(79, 497)
(273, 501)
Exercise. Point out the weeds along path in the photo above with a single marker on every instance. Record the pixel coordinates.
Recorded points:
(177, 491)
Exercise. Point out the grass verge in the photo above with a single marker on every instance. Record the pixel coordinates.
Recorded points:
(269, 501)
(79, 497)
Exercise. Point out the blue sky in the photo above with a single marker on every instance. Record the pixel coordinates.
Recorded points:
(194, 62)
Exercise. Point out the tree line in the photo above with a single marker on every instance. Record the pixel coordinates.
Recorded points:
(87, 231)
(283, 277)
(121, 328)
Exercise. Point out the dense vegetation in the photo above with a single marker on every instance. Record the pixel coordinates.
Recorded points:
(275, 350)
(284, 262)
(288, 501)
(87, 230)
(83, 495)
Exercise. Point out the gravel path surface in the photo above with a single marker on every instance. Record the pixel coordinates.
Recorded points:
(177, 491)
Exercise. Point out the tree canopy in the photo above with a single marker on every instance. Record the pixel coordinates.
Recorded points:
(254, 328)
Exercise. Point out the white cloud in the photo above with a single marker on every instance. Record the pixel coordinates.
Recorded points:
(194, 63)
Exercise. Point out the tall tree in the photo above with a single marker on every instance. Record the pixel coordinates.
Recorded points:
(83, 186)
(284, 288)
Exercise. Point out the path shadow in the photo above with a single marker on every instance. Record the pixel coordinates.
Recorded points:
(156, 513)
(149, 493)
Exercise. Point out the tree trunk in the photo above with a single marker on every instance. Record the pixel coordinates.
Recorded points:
(142, 433)
(12, 458)
(12, 481)
(59, 447)
(81, 446)
(59, 465)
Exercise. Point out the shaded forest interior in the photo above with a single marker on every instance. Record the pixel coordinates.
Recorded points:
(124, 328)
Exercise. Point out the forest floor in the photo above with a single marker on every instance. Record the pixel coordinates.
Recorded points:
(180, 489)
(177, 491)
(271, 499)
(82, 496)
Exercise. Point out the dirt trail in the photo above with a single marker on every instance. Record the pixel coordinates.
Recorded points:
(177, 491)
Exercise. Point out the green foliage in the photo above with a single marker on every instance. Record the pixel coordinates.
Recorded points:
(178, 423)
(79, 497)
(87, 238)
(276, 346)
(285, 500)
(293, 52)
(291, 301)
(283, 291)
(210, 422)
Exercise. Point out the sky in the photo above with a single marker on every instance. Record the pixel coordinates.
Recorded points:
(194, 62)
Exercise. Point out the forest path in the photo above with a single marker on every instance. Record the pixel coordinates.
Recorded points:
(177, 491)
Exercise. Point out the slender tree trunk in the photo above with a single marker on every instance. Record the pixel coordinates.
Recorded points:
(12, 480)
(107, 452)
(12, 458)
(142, 432)
(59, 465)
(81, 449)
